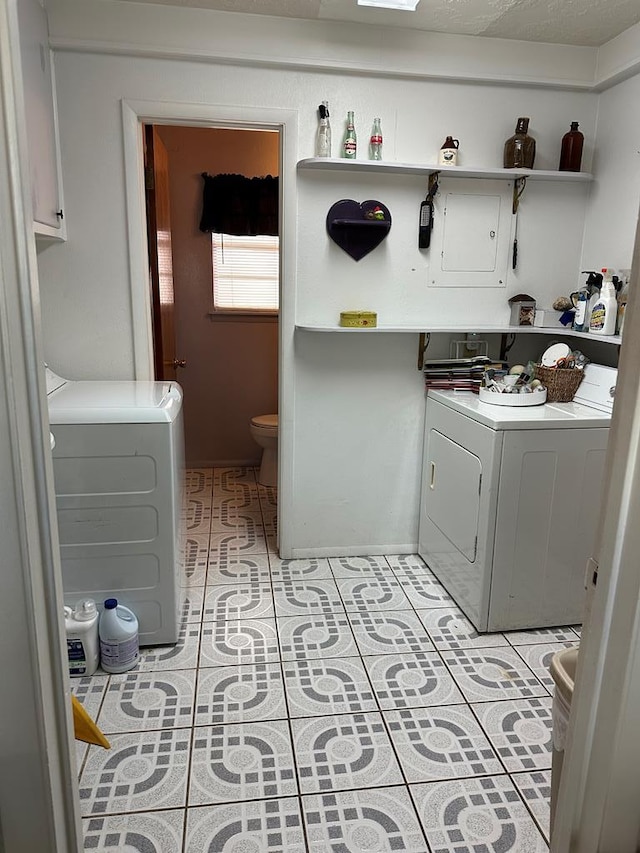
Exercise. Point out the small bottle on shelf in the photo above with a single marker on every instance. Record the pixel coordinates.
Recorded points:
(571, 151)
(375, 143)
(520, 149)
(349, 144)
(323, 139)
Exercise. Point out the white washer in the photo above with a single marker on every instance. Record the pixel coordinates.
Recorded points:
(118, 466)
(510, 502)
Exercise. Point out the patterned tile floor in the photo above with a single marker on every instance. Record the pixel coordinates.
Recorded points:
(317, 706)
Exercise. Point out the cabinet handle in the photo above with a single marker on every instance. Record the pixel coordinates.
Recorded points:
(432, 477)
(60, 214)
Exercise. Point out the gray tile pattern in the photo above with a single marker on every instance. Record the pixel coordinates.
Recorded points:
(535, 790)
(245, 761)
(197, 517)
(393, 738)
(239, 694)
(230, 569)
(184, 655)
(142, 832)
(375, 819)
(423, 589)
(412, 681)
(139, 701)
(239, 601)
(492, 674)
(250, 641)
(346, 751)
(538, 659)
(195, 560)
(141, 771)
(541, 635)
(331, 686)
(373, 593)
(449, 628)
(520, 731)
(359, 567)
(310, 637)
(306, 598)
(299, 570)
(389, 633)
(267, 826)
(440, 743)
(476, 816)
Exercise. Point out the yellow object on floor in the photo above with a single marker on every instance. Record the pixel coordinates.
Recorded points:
(84, 728)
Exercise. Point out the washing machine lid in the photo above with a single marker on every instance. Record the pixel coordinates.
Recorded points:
(548, 416)
(122, 402)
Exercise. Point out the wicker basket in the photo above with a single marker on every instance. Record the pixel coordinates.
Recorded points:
(561, 383)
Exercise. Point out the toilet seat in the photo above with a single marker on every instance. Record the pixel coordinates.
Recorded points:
(265, 423)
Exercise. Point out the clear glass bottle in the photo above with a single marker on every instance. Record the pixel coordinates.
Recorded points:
(349, 144)
(571, 152)
(323, 137)
(375, 143)
(520, 149)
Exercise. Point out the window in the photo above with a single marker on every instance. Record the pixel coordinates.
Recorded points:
(245, 273)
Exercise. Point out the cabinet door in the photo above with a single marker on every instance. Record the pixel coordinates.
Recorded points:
(40, 114)
(548, 507)
(453, 492)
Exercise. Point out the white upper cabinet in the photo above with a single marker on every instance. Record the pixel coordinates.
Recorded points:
(42, 135)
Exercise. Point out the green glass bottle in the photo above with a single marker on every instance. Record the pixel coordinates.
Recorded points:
(349, 144)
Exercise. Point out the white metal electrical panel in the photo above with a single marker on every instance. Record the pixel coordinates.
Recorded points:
(472, 234)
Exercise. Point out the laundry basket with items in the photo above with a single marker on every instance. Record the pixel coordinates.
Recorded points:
(555, 379)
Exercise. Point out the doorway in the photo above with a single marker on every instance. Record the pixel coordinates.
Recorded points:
(226, 359)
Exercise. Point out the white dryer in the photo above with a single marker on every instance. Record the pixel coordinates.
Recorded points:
(118, 468)
(510, 500)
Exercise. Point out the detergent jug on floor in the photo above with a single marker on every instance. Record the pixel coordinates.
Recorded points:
(119, 649)
(81, 624)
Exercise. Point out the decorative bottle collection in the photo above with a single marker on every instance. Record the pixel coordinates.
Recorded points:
(571, 151)
(375, 142)
(520, 149)
(350, 142)
(448, 154)
(323, 138)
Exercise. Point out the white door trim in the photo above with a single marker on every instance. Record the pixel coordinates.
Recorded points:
(39, 807)
(598, 804)
(136, 113)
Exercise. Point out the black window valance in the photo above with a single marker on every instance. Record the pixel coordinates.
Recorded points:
(234, 204)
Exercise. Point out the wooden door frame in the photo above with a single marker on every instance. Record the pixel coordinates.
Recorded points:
(134, 115)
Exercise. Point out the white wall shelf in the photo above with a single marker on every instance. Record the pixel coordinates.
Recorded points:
(451, 329)
(323, 164)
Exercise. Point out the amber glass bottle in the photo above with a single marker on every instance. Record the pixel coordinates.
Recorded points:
(520, 149)
(571, 152)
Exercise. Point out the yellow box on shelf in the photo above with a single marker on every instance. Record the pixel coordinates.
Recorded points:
(358, 319)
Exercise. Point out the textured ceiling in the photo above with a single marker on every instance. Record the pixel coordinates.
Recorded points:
(578, 22)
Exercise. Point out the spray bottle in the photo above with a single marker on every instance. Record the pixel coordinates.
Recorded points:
(605, 310)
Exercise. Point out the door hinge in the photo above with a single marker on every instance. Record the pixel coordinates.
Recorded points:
(480, 485)
(592, 572)
(149, 179)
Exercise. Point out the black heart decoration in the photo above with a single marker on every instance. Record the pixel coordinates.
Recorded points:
(358, 227)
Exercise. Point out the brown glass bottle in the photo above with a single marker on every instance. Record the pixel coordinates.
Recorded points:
(520, 149)
(571, 152)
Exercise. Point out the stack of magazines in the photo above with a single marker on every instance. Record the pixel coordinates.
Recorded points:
(459, 374)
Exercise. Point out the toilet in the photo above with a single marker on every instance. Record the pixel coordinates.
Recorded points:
(264, 430)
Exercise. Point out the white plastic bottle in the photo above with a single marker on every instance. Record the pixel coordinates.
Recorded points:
(605, 310)
(83, 649)
(119, 649)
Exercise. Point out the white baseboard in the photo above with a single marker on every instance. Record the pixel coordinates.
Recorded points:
(352, 551)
